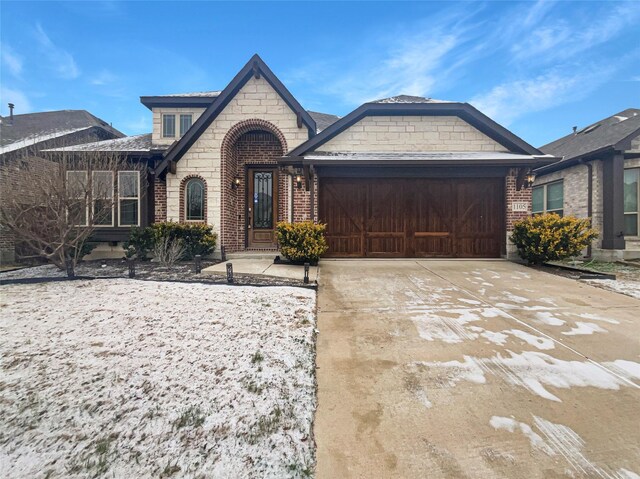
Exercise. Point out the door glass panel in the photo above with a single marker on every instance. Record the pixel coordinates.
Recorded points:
(263, 199)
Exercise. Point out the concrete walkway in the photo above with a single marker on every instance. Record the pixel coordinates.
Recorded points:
(467, 369)
(264, 267)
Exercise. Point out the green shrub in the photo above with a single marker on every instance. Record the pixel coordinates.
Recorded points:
(550, 237)
(140, 242)
(302, 242)
(196, 238)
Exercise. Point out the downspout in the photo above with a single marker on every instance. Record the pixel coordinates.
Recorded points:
(589, 166)
(290, 199)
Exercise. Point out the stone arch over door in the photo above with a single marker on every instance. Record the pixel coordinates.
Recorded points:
(251, 142)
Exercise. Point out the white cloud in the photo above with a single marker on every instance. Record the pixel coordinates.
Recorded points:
(549, 38)
(105, 77)
(510, 100)
(11, 60)
(60, 60)
(17, 97)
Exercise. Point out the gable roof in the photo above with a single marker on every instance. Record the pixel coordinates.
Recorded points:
(323, 120)
(128, 144)
(611, 133)
(254, 67)
(427, 107)
(34, 128)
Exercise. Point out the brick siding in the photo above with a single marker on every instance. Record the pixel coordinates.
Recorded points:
(160, 200)
(249, 143)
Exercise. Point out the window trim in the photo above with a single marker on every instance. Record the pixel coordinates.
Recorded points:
(86, 207)
(93, 202)
(637, 212)
(545, 205)
(190, 115)
(167, 115)
(120, 198)
(204, 200)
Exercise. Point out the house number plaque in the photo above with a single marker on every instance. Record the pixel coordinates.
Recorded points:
(520, 207)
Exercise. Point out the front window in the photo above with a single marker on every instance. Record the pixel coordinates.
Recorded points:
(77, 191)
(194, 203)
(185, 123)
(631, 194)
(102, 197)
(168, 126)
(129, 198)
(548, 198)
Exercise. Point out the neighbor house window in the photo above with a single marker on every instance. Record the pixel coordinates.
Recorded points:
(548, 198)
(185, 123)
(194, 200)
(102, 197)
(168, 126)
(631, 194)
(129, 198)
(77, 189)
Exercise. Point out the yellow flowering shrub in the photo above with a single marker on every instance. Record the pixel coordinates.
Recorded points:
(551, 237)
(302, 242)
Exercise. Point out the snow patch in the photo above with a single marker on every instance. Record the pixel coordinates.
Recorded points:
(533, 371)
(547, 317)
(625, 368)
(558, 440)
(584, 328)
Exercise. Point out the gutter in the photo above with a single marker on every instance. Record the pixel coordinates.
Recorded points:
(589, 166)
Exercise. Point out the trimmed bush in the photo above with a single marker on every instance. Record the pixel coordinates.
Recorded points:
(196, 239)
(550, 237)
(140, 242)
(302, 242)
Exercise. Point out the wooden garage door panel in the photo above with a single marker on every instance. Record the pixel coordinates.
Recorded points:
(385, 222)
(418, 217)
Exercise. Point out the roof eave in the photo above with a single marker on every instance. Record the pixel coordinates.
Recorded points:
(152, 102)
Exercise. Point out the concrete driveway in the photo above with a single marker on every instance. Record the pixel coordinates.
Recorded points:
(468, 369)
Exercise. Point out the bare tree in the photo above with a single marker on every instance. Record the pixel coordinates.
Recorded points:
(167, 251)
(59, 200)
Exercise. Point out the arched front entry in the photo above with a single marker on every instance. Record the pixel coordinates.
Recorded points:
(254, 191)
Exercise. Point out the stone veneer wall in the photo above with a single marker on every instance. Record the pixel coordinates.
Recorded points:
(156, 135)
(255, 100)
(412, 133)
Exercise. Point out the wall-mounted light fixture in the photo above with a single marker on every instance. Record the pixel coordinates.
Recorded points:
(299, 180)
(529, 179)
(236, 182)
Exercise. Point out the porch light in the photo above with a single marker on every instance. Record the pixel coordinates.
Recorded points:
(236, 182)
(299, 180)
(529, 179)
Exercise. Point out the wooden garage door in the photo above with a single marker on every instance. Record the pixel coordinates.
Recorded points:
(371, 217)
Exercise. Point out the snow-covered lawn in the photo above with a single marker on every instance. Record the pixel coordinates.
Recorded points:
(126, 378)
(625, 286)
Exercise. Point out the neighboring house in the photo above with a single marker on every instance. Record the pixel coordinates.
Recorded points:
(401, 177)
(23, 137)
(598, 177)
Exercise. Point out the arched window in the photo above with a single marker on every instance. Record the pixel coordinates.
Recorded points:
(194, 200)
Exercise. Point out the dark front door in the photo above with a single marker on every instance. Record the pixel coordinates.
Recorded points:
(419, 217)
(261, 207)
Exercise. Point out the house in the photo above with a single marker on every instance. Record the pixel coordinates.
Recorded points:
(23, 137)
(400, 177)
(598, 177)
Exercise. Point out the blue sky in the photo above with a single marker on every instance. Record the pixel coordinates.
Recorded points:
(538, 68)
